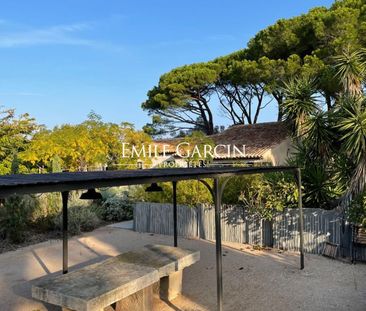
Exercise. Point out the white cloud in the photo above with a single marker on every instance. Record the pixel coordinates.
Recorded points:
(61, 35)
(70, 34)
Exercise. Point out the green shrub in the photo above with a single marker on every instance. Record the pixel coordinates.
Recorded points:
(189, 192)
(14, 218)
(237, 186)
(283, 192)
(81, 219)
(46, 208)
(320, 188)
(357, 211)
(43, 213)
(116, 208)
(262, 195)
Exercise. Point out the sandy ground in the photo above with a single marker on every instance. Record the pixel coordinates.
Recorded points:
(253, 280)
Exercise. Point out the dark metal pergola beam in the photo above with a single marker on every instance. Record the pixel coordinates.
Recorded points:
(65, 232)
(301, 216)
(217, 201)
(175, 214)
(58, 182)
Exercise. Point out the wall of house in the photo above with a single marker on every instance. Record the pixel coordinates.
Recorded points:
(155, 162)
(280, 153)
(276, 156)
(162, 161)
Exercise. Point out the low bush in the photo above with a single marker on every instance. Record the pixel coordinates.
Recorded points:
(46, 207)
(14, 218)
(357, 211)
(189, 192)
(262, 195)
(20, 215)
(116, 208)
(81, 219)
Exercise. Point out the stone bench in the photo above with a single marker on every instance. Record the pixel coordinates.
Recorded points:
(169, 262)
(127, 281)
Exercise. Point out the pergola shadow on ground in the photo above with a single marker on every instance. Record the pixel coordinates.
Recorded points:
(65, 182)
(254, 280)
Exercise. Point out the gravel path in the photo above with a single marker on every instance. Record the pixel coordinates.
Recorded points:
(253, 280)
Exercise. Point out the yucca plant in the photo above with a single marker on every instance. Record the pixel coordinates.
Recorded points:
(352, 128)
(350, 68)
(320, 135)
(319, 186)
(301, 101)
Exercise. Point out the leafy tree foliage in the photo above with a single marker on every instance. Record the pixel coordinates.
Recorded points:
(322, 32)
(357, 212)
(332, 144)
(198, 147)
(181, 99)
(90, 145)
(311, 66)
(15, 134)
(241, 88)
(246, 81)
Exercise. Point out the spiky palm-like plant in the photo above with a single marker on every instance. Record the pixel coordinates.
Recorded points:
(300, 103)
(320, 135)
(350, 68)
(352, 127)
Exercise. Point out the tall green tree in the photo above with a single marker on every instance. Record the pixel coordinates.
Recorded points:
(15, 135)
(350, 68)
(181, 99)
(90, 145)
(249, 79)
(332, 143)
(323, 32)
(352, 128)
(241, 89)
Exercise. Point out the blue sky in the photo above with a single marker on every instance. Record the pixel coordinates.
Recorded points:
(62, 59)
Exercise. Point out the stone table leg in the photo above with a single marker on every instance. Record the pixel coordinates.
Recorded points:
(171, 286)
(140, 301)
(156, 290)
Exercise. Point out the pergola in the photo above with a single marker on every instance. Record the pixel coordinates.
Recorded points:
(65, 182)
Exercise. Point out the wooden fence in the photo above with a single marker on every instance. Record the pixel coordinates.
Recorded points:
(282, 232)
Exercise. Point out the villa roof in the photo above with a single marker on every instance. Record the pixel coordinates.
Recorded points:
(257, 138)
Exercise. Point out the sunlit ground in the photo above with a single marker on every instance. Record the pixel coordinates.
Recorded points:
(253, 280)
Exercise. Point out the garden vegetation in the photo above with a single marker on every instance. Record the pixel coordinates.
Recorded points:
(312, 67)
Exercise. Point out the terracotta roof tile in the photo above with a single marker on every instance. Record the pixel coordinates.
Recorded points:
(257, 138)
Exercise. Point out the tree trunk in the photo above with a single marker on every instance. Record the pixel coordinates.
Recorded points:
(328, 100)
